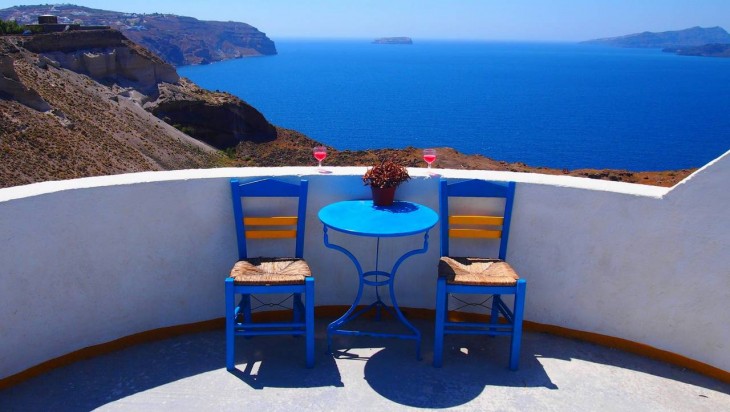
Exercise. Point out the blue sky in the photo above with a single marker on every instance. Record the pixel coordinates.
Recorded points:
(548, 20)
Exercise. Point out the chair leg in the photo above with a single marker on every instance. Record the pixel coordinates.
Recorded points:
(441, 309)
(297, 307)
(519, 310)
(230, 324)
(309, 319)
(245, 305)
(494, 319)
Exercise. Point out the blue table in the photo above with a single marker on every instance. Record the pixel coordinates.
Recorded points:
(362, 218)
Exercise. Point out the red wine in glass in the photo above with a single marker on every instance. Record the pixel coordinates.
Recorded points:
(429, 155)
(320, 153)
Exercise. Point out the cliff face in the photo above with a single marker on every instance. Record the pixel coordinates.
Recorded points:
(104, 55)
(218, 119)
(204, 41)
(12, 87)
(178, 40)
(81, 104)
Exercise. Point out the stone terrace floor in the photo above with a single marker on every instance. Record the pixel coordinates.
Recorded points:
(187, 373)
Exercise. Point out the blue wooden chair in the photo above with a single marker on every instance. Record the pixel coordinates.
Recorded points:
(478, 275)
(269, 275)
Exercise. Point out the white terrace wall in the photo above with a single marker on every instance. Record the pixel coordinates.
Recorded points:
(87, 261)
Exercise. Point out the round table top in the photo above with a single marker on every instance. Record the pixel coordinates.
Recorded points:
(362, 218)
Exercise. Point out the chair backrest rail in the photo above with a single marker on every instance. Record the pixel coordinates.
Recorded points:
(476, 220)
(271, 234)
(475, 233)
(270, 221)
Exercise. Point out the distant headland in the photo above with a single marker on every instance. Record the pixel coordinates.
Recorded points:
(393, 40)
(179, 40)
(695, 41)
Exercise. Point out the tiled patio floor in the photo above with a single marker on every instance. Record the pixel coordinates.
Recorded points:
(366, 374)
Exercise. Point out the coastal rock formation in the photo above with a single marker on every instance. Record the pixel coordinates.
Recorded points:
(11, 87)
(73, 109)
(219, 119)
(105, 55)
(708, 50)
(176, 39)
(695, 36)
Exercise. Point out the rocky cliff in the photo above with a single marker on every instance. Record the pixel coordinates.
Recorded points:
(178, 40)
(77, 104)
(695, 36)
(105, 55)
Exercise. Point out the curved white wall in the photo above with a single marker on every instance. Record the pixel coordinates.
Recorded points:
(87, 261)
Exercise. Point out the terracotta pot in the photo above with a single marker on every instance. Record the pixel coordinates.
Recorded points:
(384, 196)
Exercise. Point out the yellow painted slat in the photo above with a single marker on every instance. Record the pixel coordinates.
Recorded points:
(475, 233)
(270, 221)
(270, 234)
(476, 220)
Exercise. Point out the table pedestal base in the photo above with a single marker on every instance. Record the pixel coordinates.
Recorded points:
(373, 279)
(336, 327)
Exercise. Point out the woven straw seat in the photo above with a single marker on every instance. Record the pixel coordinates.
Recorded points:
(477, 271)
(270, 271)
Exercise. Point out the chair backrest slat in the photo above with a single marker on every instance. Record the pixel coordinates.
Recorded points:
(471, 189)
(271, 234)
(475, 233)
(270, 221)
(476, 220)
(264, 189)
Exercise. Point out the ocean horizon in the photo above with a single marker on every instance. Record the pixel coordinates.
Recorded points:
(559, 105)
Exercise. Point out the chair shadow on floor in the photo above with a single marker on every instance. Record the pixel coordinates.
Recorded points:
(267, 362)
(275, 361)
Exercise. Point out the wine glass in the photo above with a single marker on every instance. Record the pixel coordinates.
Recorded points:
(320, 153)
(429, 155)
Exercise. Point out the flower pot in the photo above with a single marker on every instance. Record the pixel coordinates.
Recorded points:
(383, 196)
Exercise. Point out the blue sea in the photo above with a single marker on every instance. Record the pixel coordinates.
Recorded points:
(544, 104)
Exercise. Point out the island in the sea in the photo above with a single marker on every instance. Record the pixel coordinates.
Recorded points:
(695, 36)
(393, 40)
(695, 41)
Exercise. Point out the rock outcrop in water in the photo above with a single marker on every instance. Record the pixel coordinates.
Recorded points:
(393, 40)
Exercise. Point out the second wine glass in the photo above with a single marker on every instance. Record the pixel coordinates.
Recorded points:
(320, 153)
(429, 155)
